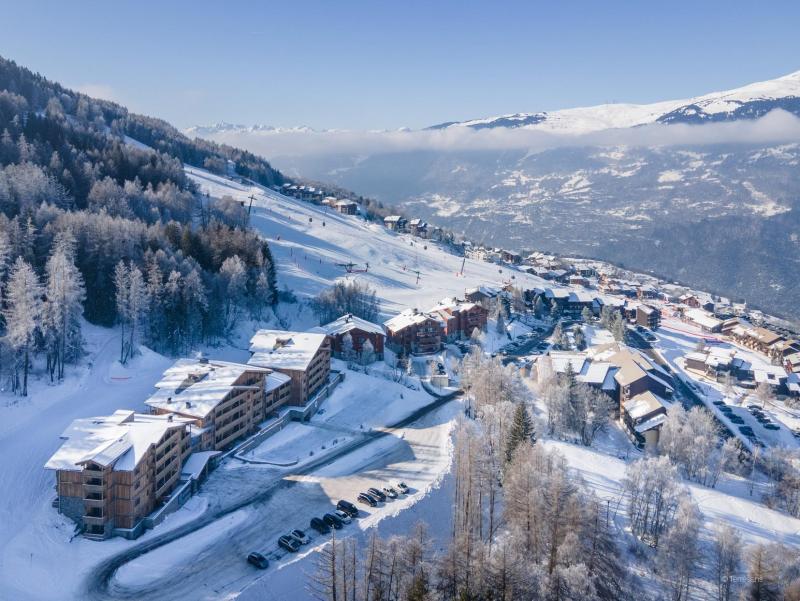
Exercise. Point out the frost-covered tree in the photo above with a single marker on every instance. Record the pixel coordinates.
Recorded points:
(23, 313)
(500, 324)
(678, 550)
(132, 302)
(233, 276)
(726, 561)
(586, 315)
(654, 492)
(689, 439)
(63, 307)
(348, 351)
(367, 355)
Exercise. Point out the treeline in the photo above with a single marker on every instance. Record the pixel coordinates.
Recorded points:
(73, 189)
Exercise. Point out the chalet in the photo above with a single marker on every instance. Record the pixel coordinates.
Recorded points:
(713, 361)
(224, 401)
(485, 296)
(418, 227)
(303, 356)
(642, 417)
(637, 373)
(646, 292)
(703, 320)
(578, 301)
(648, 317)
(579, 280)
(346, 207)
(412, 332)
(690, 300)
(395, 223)
(460, 319)
(113, 471)
(359, 330)
(793, 385)
(510, 257)
(757, 338)
(792, 363)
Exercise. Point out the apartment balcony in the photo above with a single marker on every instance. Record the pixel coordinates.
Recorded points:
(93, 489)
(92, 519)
(94, 503)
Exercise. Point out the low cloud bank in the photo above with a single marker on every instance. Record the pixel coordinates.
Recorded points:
(778, 126)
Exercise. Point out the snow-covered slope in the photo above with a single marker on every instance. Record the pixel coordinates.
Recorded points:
(310, 243)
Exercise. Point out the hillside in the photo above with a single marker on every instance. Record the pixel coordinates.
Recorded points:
(98, 220)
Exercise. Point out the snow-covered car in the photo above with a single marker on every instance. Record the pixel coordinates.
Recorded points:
(402, 487)
(367, 499)
(289, 543)
(258, 560)
(300, 536)
(342, 516)
(377, 494)
(390, 492)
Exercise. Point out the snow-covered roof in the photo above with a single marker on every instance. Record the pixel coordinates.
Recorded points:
(195, 386)
(771, 374)
(487, 291)
(196, 462)
(407, 318)
(560, 360)
(644, 404)
(275, 380)
(120, 439)
(278, 349)
(653, 422)
(702, 318)
(349, 322)
(595, 373)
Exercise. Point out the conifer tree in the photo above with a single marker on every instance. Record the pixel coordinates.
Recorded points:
(521, 430)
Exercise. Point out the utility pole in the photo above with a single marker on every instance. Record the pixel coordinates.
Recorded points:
(249, 208)
(463, 262)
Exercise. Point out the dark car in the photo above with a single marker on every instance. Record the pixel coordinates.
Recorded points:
(772, 427)
(719, 403)
(746, 430)
(300, 536)
(377, 494)
(736, 419)
(258, 560)
(367, 499)
(333, 520)
(289, 543)
(320, 526)
(348, 508)
(402, 487)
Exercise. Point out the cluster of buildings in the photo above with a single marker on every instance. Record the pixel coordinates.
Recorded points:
(640, 387)
(416, 227)
(120, 474)
(423, 332)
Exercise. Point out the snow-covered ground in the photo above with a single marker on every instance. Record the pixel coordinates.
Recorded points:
(308, 243)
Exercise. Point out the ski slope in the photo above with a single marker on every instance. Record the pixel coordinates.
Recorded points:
(308, 241)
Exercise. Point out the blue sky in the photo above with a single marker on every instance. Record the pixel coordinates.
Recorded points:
(364, 65)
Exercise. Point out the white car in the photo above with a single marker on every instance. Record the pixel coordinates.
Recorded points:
(342, 516)
(401, 486)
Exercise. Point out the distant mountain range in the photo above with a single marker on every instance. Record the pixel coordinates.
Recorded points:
(716, 212)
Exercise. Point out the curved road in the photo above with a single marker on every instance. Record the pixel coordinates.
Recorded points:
(222, 562)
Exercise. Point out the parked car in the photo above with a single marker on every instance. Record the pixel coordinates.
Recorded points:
(348, 507)
(320, 526)
(754, 407)
(333, 521)
(301, 536)
(746, 430)
(258, 560)
(719, 403)
(289, 543)
(377, 494)
(736, 419)
(772, 427)
(367, 499)
(390, 492)
(401, 486)
(342, 515)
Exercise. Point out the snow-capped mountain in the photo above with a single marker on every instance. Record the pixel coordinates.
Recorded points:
(747, 102)
(619, 183)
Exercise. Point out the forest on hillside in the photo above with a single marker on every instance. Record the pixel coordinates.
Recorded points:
(96, 225)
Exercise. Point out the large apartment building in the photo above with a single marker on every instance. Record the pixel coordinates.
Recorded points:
(303, 356)
(459, 318)
(111, 472)
(225, 401)
(414, 332)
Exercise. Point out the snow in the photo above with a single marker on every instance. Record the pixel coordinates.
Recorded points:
(196, 387)
(278, 349)
(310, 242)
(161, 561)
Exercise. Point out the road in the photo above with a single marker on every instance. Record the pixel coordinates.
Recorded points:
(283, 501)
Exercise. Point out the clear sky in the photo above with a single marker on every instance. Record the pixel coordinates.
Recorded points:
(381, 64)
